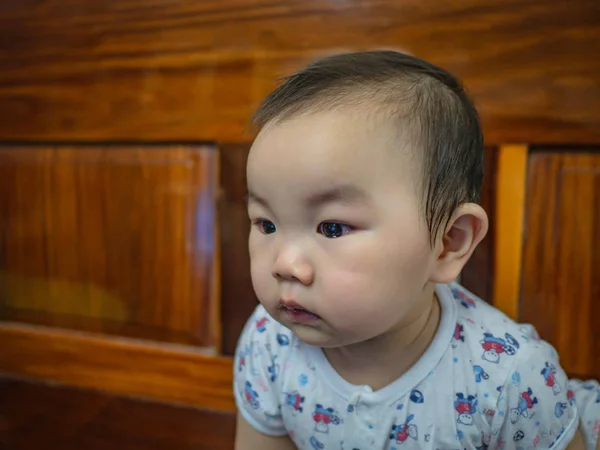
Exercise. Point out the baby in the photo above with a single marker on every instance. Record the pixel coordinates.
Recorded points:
(363, 185)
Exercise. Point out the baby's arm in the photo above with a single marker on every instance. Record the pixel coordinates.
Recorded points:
(247, 438)
(587, 397)
(536, 409)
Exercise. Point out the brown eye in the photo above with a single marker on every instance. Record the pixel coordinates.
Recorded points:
(332, 230)
(265, 226)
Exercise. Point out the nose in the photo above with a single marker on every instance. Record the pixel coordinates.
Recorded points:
(292, 265)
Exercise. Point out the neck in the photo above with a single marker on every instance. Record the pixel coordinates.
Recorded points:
(381, 360)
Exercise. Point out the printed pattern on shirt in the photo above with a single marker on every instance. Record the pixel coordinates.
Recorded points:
(495, 385)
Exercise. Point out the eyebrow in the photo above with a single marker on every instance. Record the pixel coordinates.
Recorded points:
(345, 194)
(253, 198)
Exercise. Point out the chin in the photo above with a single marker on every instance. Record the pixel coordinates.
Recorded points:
(311, 335)
(316, 337)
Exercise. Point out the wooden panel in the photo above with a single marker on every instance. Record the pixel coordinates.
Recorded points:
(238, 298)
(164, 372)
(117, 240)
(34, 417)
(560, 291)
(189, 70)
(508, 218)
(478, 273)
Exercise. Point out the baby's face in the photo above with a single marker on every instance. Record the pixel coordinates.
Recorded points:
(337, 228)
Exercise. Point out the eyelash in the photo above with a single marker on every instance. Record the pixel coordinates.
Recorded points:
(260, 224)
(343, 225)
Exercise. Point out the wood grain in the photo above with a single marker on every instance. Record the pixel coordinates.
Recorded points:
(478, 273)
(111, 239)
(509, 223)
(195, 70)
(238, 299)
(134, 368)
(560, 291)
(48, 416)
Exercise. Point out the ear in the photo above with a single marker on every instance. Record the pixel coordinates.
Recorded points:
(466, 229)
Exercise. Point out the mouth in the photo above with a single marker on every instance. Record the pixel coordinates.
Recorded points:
(297, 313)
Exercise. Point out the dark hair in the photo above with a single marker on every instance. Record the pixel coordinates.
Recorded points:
(447, 124)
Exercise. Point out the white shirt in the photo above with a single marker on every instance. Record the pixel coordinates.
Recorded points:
(484, 382)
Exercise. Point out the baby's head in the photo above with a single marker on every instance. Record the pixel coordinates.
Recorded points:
(363, 185)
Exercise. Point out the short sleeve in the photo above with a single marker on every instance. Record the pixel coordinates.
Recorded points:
(535, 408)
(256, 370)
(587, 397)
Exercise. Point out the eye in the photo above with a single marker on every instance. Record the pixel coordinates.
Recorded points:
(265, 226)
(332, 230)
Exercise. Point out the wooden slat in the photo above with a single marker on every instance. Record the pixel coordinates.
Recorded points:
(508, 218)
(560, 292)
(194, 70)
(133, 368)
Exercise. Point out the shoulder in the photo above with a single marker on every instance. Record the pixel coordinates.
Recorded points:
(261, 325)
(262, 351)
(497, 343)
(499, 350)
(262, 341)
(489, 332)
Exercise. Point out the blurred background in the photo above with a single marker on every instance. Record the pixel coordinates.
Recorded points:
(124, 278)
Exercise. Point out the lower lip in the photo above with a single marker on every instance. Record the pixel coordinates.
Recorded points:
(299, 315)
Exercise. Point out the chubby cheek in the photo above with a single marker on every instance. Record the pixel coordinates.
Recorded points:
(364, 304)
(371, 293)
(263, 282)
(351, 304)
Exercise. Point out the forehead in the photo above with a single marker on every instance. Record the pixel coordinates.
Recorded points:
(323, 150)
